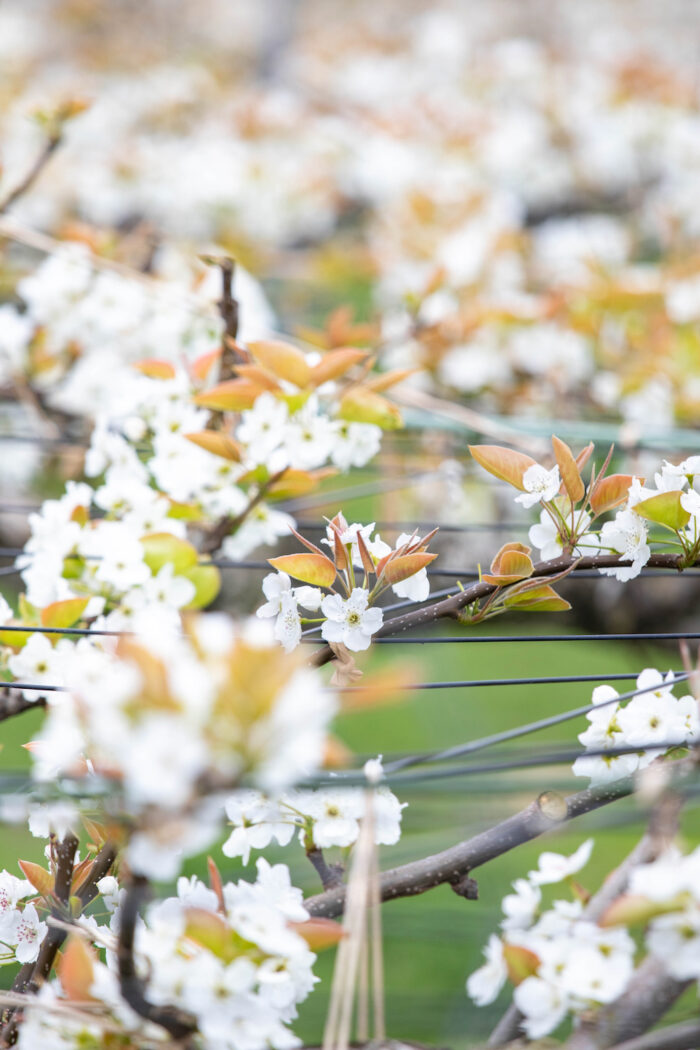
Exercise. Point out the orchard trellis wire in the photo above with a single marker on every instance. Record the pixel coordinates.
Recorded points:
(514, 277)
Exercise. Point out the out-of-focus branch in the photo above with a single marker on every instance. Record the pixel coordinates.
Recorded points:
(452, 865)
(676, 1037)
(449, 608)
(52, 143)
(330, 875)
(650, 993)
(180, 1024)
(227, 525)
(13, 703)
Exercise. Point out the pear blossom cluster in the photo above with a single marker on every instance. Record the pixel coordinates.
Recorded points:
(349, 620)
(237, 961)
(322, 818)
(653, 716)
(161, 715)
(21, 928)
(565, 963)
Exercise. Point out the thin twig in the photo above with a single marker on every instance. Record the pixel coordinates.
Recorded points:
(50, 146)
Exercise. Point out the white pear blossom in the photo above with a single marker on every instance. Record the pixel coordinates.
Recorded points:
(541, 485)
(553, 867)
(350, 620)
(485, 983)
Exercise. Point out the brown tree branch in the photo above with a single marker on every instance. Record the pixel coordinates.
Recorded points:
(50, 146)
(330, 875)
(13, 703)
(453, 864)
(229, 524)
(449, 608)
(32, 975)
(683, 1036)
(180, 1024)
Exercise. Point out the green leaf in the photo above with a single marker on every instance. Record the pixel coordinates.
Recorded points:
(664, 509)
(207, 583)
(162, 548)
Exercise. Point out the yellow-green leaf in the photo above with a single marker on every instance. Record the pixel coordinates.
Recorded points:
(521, 962)
(162, 548)
(362, 405)
(503, 463)
(632, 909)
(65, 613)
(207, 584)
(316, 569)
(512, 563)
(664, 509)
(537, 599)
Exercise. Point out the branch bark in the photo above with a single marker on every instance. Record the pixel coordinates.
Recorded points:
(449, 608)
(676, 1037)
(50, 146)
(452, 865)
(180, 1024)
(13, 703)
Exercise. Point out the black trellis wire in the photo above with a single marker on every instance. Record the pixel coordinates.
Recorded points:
(523, 730)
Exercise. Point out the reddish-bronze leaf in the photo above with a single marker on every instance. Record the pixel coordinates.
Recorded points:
(316, 569)
(610, 492)
(568, 468)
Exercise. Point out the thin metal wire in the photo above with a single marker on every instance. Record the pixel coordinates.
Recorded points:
(480, 682)
(523, 730)
(441, 640)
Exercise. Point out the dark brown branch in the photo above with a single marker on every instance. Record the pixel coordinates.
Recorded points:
(453, 864)
(229, 524)
(450, 607)
(179, 1023)
(50, 146)
(31, 976)
(13, 703)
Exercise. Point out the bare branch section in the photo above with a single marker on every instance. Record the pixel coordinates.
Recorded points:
(50, 146)
(449, 608)
(675, 1037)
(180, 1024)
(13, 703)
(452, 865)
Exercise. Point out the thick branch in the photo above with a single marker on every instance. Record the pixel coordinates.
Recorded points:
(13, 703)
(453, 864)
(179, 1023)
(650, 993)
(676, 1037)
(450, 607)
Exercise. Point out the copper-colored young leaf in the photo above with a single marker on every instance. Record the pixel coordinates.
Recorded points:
(155, 368)
(336, 754)
(294, 483)
(520, 962)
(307, 543)
(503, 463)
(40, 878)
(216, 883)
(342, 559)
(258, 375)
(234, 395)
(388, 379)
(664, 509)
(65, 613)
(509, 566)
(204, 365)
(365, 556)
(283, 360)
(316, 569)
(584, 455)
(76, 970)
(336, 363)
(610, 492)
(217, 443)
(319, 933)
(568, 468)
(397, 569)
(390, 685)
